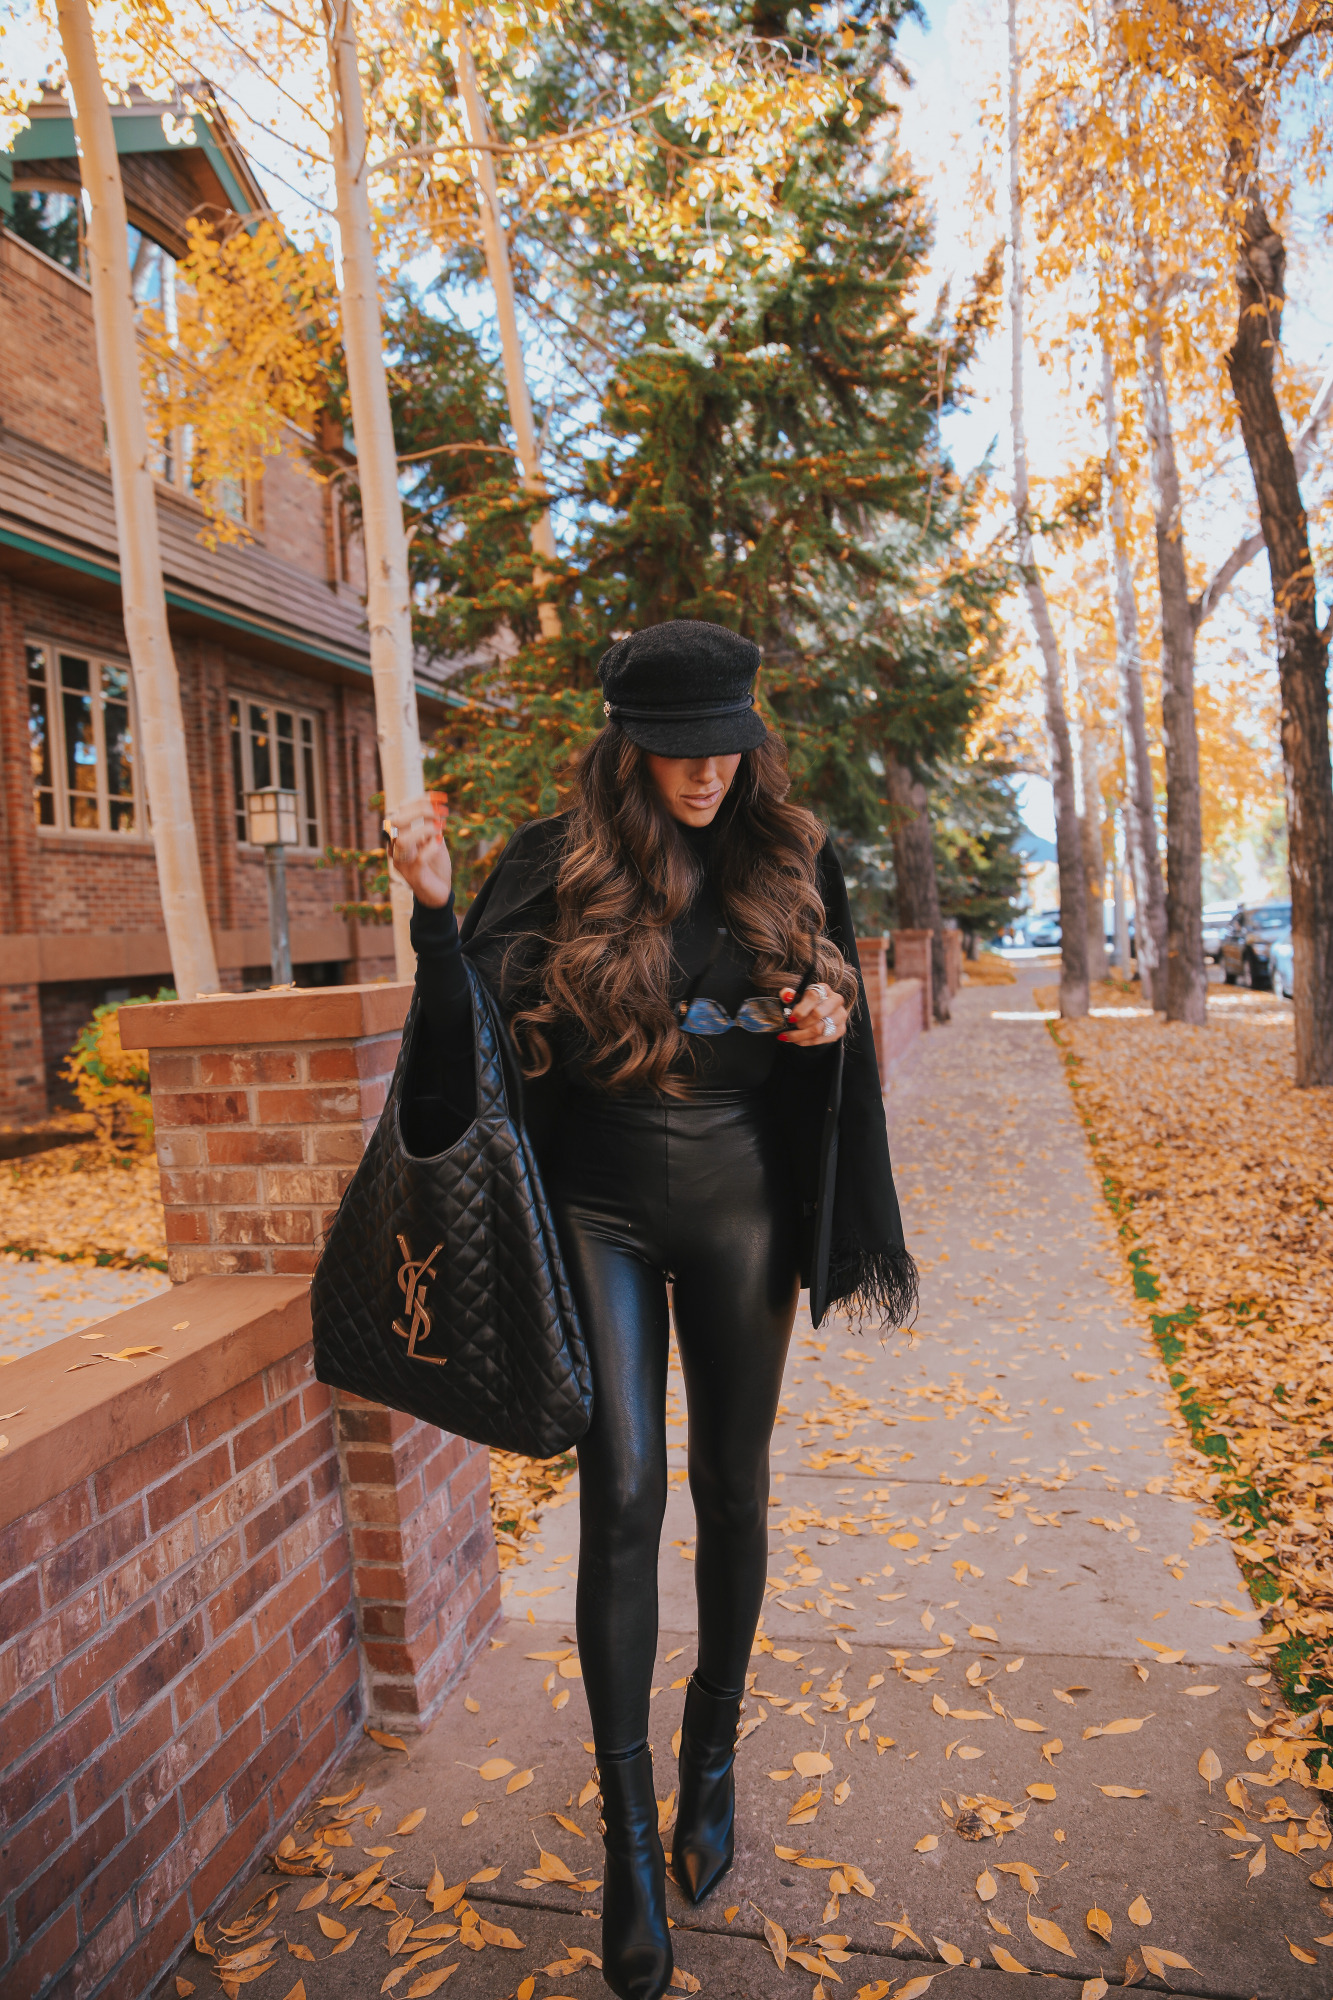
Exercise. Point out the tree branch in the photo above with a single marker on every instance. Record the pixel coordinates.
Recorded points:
(1302, 450)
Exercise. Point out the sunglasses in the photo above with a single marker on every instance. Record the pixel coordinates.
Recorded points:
(761, 1014)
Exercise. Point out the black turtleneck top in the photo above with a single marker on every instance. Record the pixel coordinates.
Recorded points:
(735, 1060)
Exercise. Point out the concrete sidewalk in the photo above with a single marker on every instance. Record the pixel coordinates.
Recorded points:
(1010, 1646)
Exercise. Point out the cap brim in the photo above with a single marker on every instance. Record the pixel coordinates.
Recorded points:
(705, 736)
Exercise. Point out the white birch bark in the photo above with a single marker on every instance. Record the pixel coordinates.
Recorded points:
(1068, 841)
(496, 243)
(1088, 803)
(143, 602)
(388, 587)
(1140, 815)
(1186, 972)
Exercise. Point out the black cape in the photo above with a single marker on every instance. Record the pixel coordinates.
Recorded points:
(852, 1250)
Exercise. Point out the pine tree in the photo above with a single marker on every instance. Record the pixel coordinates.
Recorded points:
(759, 446)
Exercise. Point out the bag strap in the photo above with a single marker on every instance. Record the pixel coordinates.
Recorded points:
(486, 1012)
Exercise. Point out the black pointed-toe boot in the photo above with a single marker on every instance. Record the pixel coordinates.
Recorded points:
(704, 1843)
(636, 1943)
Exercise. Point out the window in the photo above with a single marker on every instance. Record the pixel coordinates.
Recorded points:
(277, 746)
(82, 747)
(51, 219)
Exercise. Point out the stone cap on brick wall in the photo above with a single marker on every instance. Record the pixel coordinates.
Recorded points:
(77, 1413)
(293, 1014)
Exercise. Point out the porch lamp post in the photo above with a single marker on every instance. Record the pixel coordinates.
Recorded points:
(271, 822)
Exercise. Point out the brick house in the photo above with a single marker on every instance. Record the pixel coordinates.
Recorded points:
(269, 633)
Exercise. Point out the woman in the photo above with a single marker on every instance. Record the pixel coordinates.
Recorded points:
(675, 960)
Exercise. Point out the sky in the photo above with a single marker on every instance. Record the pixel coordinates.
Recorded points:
(947, 55)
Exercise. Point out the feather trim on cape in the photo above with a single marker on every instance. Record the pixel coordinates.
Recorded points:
(877, 1285)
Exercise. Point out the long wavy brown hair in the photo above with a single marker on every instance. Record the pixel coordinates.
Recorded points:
(627, 876)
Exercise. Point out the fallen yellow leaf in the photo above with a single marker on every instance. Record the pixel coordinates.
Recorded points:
(1158, 1960)
(385, 1741)
(1139, 1913)
(1210, 1767)
(987, 1886)
(1050, 1934)
(1099, 1923)
(811, 1763)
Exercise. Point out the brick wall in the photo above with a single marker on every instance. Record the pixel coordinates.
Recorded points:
(897, 1006)
(46, 326)
(23, 1089)
(97, 888)
(293, 510)
(177, 1666)
(263, 1105)
(427, 1578)
(258, 1130)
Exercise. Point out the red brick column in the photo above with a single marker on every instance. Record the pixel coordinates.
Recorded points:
(425, 1575)
(22, 1068)
(953, 960)
(876, 976)
(263, 1103)
(911, 960)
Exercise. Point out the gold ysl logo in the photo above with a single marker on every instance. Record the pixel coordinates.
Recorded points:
(414, 1292)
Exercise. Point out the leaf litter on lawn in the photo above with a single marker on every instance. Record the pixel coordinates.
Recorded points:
(1220, 1173)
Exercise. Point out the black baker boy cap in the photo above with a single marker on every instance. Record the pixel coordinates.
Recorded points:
(684, 689)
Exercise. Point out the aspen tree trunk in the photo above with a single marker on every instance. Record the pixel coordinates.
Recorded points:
(1302, 647)
(511, 347)
(1186, 972)
(143, 602)
(914, 869)
(1068, 843)
(1121, 917)
(1094, 856)
(388, 588)
(1140, 816)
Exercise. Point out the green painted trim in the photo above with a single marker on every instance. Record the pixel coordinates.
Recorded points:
(6, 186)
(102, 571)
(136, 132)
(105, 573)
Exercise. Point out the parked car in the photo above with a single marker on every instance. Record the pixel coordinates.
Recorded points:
(1216, 923)
(1279, 958)
(1042, 929)
(1246, 951)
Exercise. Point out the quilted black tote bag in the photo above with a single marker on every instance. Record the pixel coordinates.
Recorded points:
(441, 1290)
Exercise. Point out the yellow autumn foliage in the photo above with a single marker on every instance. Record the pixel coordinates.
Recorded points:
(112, 1082)
(247, 357)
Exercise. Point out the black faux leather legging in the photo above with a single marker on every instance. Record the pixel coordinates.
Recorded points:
(692, 1195)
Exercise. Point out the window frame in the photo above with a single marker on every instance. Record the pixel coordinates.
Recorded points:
(62, 825)
(240, 743)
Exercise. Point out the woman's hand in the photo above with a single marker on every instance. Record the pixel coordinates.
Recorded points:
(818, 1018)
(414, 834)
